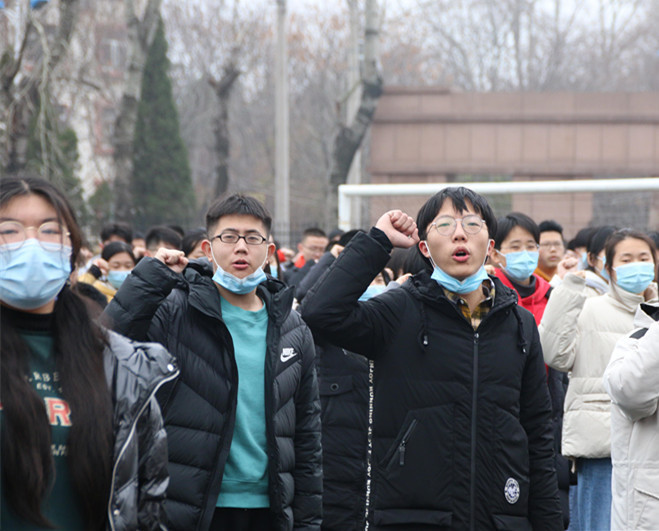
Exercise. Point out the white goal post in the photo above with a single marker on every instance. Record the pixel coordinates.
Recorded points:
(348, 192)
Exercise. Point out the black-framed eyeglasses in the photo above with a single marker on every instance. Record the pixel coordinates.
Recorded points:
(50, 235)
(232, 238)
(445, 225)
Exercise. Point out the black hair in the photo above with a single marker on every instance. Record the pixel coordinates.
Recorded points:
(581, 238)
(335, 233)
(654, 236)
(237, 204)
(515, 219)
(113, 248)
(549, 225)
(177, 229)
(598, 238)
(623, 234)
(314, 231)
(347, 236)
(459, 196)
(123, 230)
(397, 261)
(160, 233)
(192, 239)
(26, 456)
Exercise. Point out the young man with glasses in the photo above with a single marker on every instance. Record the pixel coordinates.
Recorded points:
(460, 425)
(243, 419)
(552, 249)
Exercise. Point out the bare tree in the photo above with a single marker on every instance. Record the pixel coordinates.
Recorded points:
(141, 31)
(349, 136)
(24, 82)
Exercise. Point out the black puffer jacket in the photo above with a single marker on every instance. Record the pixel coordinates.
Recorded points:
(343, 378)
(199, 409)
(134, 373)
(462, 420)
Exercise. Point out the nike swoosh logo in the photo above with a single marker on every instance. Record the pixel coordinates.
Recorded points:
(287, 355)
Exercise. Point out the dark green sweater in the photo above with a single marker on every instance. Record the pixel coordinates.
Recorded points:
(61, 505)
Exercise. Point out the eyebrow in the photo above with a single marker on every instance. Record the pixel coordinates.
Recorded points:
(45, 220)
(238, 232)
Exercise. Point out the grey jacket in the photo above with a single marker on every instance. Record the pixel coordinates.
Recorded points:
(134, 372)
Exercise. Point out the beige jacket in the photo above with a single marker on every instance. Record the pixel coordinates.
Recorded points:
(632, 381)
(580, 340)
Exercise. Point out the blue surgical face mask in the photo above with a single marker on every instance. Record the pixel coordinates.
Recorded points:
(371, 291)
(273, 272)
(520, 265)
(116, 278)
(584, 261)
(469, 284)
(32, 276)
(635, 277)
(239, 286)
(603, 271)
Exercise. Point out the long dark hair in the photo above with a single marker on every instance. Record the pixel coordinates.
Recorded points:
(27, 462)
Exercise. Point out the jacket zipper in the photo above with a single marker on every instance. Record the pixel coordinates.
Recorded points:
(131, 433)
(474, 423)
(403, 443)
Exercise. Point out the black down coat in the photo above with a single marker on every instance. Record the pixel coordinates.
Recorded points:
(343, 378)
(462, 433)
(134, 372)
(182, 312)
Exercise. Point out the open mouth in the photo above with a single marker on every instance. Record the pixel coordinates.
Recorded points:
(461, 255)
(240, 264)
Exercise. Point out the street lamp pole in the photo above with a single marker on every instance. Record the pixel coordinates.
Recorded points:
(282, 194)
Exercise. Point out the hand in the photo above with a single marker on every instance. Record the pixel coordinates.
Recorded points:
(403, 278)
(335, 251)
(139, 252)
(490, 269)
(102, 265)
(399, 228)
(175, 260)
(651, 292)
(568, 264)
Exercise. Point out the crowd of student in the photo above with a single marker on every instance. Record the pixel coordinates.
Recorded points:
(453, 371)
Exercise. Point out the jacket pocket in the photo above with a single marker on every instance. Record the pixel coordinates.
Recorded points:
(416, 470)
(505, 522)
(646, 499)
(411, 516)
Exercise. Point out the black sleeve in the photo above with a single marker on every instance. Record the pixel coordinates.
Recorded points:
(313, 275)
(331, 307)
(132, 309)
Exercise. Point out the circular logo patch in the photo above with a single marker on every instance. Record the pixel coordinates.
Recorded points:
(511, 491)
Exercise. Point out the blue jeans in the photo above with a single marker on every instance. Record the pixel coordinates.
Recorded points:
(590, 498)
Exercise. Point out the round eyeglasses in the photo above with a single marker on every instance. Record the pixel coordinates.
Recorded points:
(232, 237)
(445, 225)
(50, 235)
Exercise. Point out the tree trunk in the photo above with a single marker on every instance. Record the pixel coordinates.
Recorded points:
(19, 100)
(222, 90)
(140, 37)
(349, 137)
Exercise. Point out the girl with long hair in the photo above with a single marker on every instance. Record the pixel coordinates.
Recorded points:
(82, 441)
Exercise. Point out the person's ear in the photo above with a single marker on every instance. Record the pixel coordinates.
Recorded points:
(497, 258)
(423, 247)
(271, 250)
(208, 250)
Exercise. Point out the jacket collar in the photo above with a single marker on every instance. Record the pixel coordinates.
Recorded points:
(205, 297)
(646, 314)
(430, 292)
(624, 299)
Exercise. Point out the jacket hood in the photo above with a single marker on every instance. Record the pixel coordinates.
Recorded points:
(423, 287)
(135, 370)
(593, 280)
(646, 314)
(624, 299)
